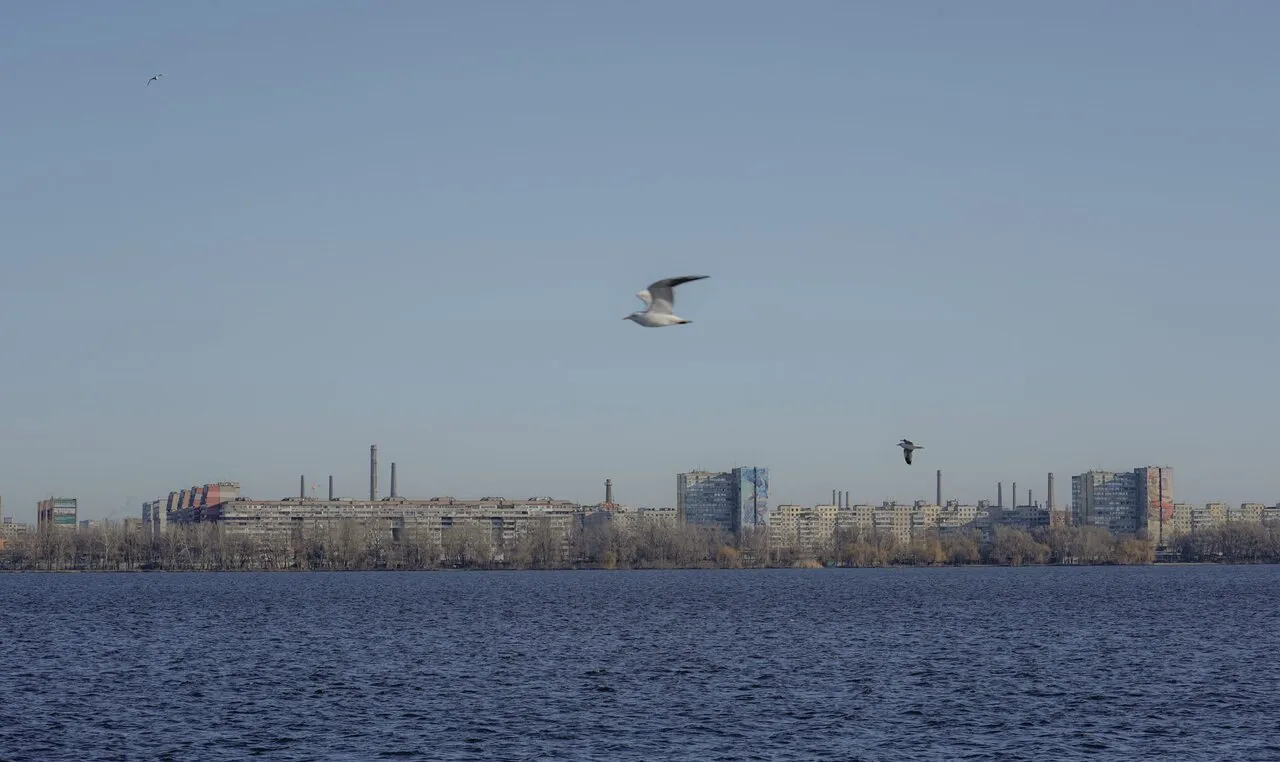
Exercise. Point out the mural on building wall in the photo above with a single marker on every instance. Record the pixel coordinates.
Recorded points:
(1160, 493)
(753, 496)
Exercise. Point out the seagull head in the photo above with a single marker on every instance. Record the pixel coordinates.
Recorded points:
(632, 316)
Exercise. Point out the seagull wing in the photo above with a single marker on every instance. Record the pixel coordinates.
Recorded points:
(663, 292)
(645, 297)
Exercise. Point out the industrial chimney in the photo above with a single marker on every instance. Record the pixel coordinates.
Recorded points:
(373, 472)
(1014, 496)
(394, 494)
(999, 494)
(1029, 502)
(1050, 491)
(331, 488)
(608, 491)
(939, 479)
(833, 497)
(846, 499)
(302, 487)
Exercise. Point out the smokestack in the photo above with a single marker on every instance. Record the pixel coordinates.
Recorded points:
(833, 497)
(331, 488)
(1014, 495)
(373, 472)
(1050, 491)
(302, 486)
(939, 501)
(1029, 498)
(608, 491)
(999, 494)
(393, 480)
(846, 499)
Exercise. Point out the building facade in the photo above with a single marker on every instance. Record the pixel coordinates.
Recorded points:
(503, 521)
(1139, 501)
(155, 516)
(1154, 502)
(56, 512)
(730, 500)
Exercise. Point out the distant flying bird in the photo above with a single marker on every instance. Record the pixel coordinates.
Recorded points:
(660, 299)
(153, 79)
(908, 448)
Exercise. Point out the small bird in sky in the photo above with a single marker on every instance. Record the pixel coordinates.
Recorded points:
(660, 299)
(908, 448)
(153, 79)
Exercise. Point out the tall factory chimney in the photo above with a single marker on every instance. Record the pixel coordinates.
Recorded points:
(302, 486)
(373, 472)
(833, 497)
(939, 479)
(331, 488)
(608, 491)
(1029, 498)
(1014, 496)
(846, 499)
(1050, 491)
(999, 494)
(393, 480)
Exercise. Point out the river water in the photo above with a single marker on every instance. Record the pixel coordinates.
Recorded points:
(1049, 663)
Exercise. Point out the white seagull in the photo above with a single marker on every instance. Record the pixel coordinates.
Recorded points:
(907, 448)
(153, 79)
(660, 298)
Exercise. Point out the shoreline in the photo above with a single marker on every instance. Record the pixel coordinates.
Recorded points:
(633, 569)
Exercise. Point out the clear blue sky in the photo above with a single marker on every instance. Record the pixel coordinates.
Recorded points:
(1032, 237)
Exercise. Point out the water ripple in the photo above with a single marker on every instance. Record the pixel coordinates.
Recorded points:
(901, 664)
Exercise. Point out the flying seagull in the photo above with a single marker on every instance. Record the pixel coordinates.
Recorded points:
(153, 79)
(660, 298)
(907, 448)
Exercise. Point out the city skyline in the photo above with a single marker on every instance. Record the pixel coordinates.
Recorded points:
(1036, 239)
(390, 476)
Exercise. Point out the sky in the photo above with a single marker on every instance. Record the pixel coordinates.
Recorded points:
(1031, 237)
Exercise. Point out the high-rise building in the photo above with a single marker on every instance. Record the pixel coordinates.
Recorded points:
(155, 516)
(59, 512)
(731, 500)
(1105, 499)
(752, 497)
(1154, 502)
(1125, 503)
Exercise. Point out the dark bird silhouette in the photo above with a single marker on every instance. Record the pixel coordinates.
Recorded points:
(908, 448)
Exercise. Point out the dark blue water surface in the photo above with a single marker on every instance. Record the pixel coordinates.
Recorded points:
(1176, 663)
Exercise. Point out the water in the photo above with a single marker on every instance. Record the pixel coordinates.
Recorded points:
(1177, 663)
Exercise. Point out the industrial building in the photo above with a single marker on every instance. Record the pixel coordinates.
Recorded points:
(506, 519)
(220, 503)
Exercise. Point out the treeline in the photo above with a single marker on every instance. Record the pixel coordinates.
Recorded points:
(1237, 542)
(350, 546)
(1007, 546)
